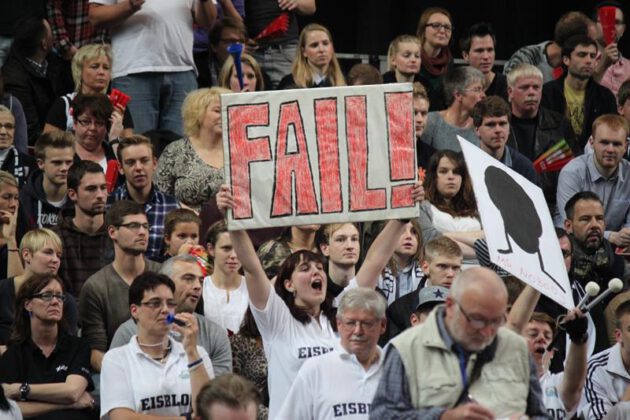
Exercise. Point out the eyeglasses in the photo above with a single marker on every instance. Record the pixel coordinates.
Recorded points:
(479, 323)
(437, 26)
(158, 303)
(135, 226)
(7, 126)
(48, 296)
(352, 324)
(95, 123)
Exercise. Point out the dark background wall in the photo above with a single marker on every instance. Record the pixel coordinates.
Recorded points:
(367, 26)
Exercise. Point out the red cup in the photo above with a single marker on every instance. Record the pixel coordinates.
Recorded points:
(607, 20)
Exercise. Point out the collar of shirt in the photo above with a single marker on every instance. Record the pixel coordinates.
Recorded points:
(40, 69)
(176, 348)
(345, 355)
(318, 78)
(507, 157)
(123, 194)
(59, 346)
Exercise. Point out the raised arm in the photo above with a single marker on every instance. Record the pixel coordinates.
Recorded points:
(575, 365)
(302, 7)
(205, 13)
(258, 284)
(522, 309)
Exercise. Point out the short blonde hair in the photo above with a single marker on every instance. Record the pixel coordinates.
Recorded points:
(395, 45)
(36, 239)
(613, 121)
(7, 179)
(195, 105)
(226, 72)
(86, 53)
(5, 110)
(523, 70)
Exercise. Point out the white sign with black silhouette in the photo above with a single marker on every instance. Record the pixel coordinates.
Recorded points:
(517, 224)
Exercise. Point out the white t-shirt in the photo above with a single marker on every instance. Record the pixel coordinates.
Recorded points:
(157, 38)
(217, 308)
(444, 222)
(131, 379)
(14, 412)
(288, 344)
(333, 386)
(551, 383)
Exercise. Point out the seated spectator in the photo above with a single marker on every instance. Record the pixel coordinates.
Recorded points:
(12, 227)
(623, 103)
(450, 208)
(491, 118)
(41, 250)
(103, 304)
(181, 233)
(296, 319)
(137, 164)
(534, 129)
(403, 272)
(231, 396)
(30, 368)
(82, 230)
(20, 138)
(225, 295)
(429, 298)
(90, 129)
(420, 112)
(191, 169)
(44, 194)
(364, 74)
(249, 361)
(225, 32)
(576, 95)
(155, 375)
(441, 262)
(547, 56)
(614, 68)
(186, 274)
(478, 47)
(315, 63)
(18, 164)
(435, 29)
(252, 75)
(403, 60)
(92, 74)
(603, 172)
(463, 88)
(607, 381)
(594, 258)
(329, 385)
(273, 252)
(29, 75)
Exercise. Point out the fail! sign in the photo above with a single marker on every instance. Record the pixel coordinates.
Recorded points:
(319, 155)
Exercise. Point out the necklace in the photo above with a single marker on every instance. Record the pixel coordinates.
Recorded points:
(163, 358)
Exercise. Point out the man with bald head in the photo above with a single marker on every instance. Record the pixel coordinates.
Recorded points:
(461, 363)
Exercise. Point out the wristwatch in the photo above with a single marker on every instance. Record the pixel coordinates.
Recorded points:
(25, 389)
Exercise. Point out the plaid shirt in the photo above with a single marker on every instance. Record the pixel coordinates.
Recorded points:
(156, 208)
(71, 26)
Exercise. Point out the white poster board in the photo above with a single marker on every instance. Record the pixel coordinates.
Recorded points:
(318, 156)
(517, 224)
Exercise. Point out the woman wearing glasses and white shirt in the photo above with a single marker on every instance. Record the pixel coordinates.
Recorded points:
(154, 374)
(46, 370)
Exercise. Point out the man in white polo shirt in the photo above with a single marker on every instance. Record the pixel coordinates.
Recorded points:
(342, 383)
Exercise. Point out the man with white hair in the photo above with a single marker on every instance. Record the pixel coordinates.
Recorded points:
(343, 382)
(497, 378)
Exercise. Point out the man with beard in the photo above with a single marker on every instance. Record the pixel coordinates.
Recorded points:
(86, 246)
(593, 256)
(577, 96)
(187, 275)
(137, 164)
(104, 298)
(604, 172)
(495, 374)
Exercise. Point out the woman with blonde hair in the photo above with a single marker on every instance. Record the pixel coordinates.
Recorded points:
(92, 73)
(403, 60)
(191, 169)
(315, 63)
(253, 80)
(40, 250)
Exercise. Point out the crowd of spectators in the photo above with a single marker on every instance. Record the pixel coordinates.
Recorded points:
(123, 294)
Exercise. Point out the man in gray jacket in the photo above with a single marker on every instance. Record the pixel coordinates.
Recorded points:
(187, 275)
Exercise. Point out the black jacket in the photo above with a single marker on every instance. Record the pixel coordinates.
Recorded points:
(39, 212)
(36, 93)
(598, 100)
(19, 165)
